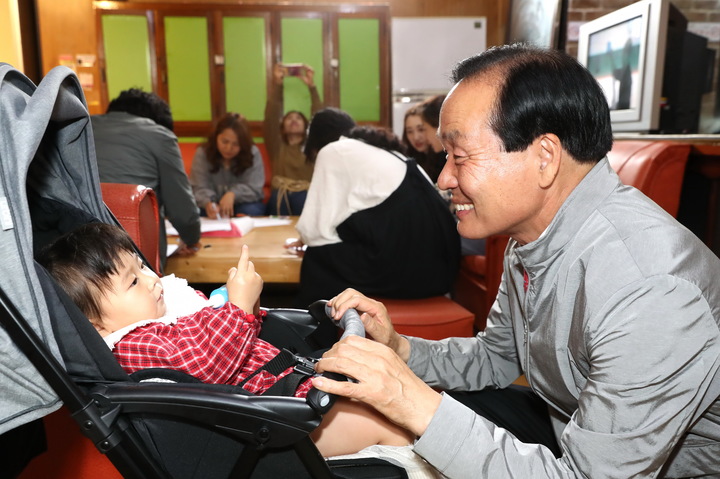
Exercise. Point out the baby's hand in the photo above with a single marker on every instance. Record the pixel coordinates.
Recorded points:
(244, 284)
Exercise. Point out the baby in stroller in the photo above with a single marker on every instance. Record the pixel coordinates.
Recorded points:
(154, 323)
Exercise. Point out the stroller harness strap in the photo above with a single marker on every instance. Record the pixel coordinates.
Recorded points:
(286, 385)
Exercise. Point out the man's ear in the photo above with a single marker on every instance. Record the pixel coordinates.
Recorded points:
(549, 154)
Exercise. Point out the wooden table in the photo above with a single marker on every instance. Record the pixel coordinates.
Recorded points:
(267, 252)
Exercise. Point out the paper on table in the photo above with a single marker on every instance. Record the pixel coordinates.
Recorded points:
(244, 224)
(206, 225)
(271, 221)
(171, 248)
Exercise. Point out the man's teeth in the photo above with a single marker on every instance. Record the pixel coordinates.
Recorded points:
(464, 207)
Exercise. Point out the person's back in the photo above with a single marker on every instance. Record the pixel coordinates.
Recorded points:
(381, 228)
(136, 149)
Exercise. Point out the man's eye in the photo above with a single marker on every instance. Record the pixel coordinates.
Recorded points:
(134, 282)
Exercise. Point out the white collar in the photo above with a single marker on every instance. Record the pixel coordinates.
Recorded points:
(180, 300)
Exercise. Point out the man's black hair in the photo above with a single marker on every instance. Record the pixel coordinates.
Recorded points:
(543, 91)
(144, 104)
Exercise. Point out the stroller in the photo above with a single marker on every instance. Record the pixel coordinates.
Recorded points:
(51, 354)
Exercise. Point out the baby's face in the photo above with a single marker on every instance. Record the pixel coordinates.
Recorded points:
(135, 294)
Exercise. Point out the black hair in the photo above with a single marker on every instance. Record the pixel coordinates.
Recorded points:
(326, 126)
(144, 104)
(543, 91)
(430, 110)
(376, 136)
(83, 260)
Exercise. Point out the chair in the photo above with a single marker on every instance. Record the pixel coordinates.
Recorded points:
(437, 317)
(656, 168)
(136, 208)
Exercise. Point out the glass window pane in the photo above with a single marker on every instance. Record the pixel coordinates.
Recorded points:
(186, 43)
(302, 42)
(127, 53)
(245, 79)
(360, 67)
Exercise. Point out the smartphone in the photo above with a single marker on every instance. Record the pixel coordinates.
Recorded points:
(294, 69)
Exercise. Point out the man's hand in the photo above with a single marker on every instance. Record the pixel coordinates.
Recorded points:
(384, 382)
(375, 318)
(187, 250)
(244, 284)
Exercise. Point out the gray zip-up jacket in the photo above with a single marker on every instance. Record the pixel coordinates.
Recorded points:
(618, 332)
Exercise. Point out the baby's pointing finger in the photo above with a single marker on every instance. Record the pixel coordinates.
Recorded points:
(244, 258)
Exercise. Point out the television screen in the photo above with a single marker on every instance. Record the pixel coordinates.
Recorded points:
(614, 60)
(625, 51)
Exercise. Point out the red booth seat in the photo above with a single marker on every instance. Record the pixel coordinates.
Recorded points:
(136, 208)
(430, 318)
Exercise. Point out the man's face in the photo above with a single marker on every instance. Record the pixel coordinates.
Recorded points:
(494, 192)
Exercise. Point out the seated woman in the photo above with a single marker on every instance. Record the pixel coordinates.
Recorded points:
(434, 159)
(227, 173)
(372, 220)
(414, 137)
(284, 139)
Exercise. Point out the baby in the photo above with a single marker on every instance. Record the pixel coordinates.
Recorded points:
(126, 302)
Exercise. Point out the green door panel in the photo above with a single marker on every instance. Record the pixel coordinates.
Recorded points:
(302, 42)
(245, 54)
(127, 53)
(186, 44)
(360, 67)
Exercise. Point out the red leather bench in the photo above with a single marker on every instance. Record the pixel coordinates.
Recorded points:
(437, 317)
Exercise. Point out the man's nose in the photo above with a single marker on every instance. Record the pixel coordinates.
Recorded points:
(447, 179)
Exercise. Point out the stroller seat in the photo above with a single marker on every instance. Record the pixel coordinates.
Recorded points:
(146, 429)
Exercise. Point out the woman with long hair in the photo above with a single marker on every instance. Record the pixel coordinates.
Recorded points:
(227, 171)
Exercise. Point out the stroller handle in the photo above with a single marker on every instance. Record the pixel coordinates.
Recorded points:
(350, 322)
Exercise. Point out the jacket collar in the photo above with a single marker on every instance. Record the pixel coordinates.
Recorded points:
(587, 196)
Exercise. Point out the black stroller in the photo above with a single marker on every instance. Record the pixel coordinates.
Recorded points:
(52, 355)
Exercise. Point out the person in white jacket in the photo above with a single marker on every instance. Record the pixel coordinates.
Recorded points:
(608, 306)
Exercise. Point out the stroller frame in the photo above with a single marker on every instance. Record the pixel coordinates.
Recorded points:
(113, 410)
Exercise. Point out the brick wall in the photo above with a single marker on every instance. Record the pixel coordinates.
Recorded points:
(703, 19)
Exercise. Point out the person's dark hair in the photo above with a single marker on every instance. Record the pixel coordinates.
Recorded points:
(147, 105)
(326, 126)
(543, 91)
(83, 260)
(376, 136)
(283, 135)
(244, 159)
(430, 110)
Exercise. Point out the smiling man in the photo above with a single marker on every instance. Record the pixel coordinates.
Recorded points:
(608, 306)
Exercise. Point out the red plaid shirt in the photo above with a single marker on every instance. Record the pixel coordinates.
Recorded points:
(218, 346)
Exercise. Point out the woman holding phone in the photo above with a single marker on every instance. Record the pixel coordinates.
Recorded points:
(284, 140)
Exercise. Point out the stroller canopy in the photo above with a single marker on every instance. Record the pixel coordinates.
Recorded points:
(46, 152)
